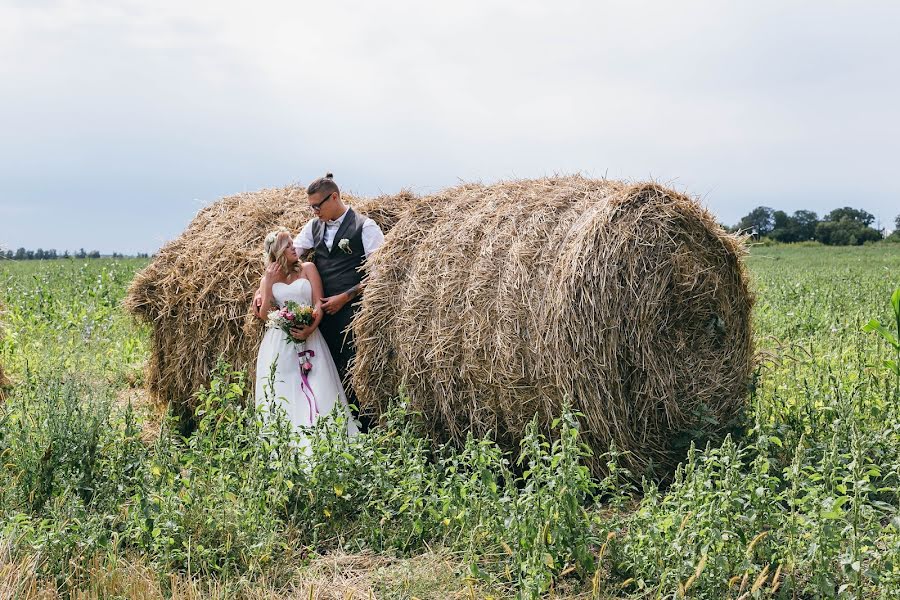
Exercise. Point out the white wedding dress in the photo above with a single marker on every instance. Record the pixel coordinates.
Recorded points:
(303, 404)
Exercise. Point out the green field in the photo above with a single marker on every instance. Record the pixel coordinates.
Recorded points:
(99, 496)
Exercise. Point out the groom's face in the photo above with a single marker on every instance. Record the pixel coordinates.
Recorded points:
(323, 205)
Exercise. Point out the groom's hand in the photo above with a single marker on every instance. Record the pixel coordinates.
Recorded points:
(332, 304)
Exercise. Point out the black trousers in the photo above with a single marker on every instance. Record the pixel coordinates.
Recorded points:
(339, 337)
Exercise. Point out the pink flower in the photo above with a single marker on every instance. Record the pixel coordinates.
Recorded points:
(307, 366)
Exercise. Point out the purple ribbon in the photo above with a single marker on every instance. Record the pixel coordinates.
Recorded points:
(305, 387)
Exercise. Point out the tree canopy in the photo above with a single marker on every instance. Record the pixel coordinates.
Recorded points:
(846, 226)
(761, 220)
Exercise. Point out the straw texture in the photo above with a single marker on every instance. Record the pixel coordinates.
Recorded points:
(491, 304)
(196, 293)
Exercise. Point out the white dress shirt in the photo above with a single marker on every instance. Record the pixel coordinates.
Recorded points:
(372, 237)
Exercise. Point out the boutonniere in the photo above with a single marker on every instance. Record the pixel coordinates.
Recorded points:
(344, 245)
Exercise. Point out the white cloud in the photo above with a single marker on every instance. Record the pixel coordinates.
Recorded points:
(745, 103)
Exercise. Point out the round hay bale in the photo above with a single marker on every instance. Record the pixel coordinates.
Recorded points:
(196, 293)
(492, 304)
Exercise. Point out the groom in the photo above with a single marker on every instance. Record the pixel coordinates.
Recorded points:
(341, 241)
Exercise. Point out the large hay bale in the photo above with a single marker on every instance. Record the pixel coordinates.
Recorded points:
(196, 292)
(492, 304)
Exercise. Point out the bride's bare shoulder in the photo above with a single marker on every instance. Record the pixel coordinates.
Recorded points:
(310, 273)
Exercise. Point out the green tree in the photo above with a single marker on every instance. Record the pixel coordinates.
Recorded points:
(847, 227)
(895, 235)
(800, 226)
(783, 227)
(805, 221)
(845, 233)
(851, 214)
(761, 219)
(780, 220)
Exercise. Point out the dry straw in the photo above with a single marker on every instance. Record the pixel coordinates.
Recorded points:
(492, 304)
(196, 292)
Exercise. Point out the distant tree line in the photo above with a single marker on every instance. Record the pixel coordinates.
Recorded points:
(841, 227)
(41, 254)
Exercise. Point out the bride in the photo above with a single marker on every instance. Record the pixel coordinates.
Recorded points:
(305, 397)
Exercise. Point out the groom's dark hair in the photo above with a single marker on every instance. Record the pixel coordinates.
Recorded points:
(323, 184)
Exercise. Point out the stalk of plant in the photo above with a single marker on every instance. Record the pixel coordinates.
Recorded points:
(891, 337)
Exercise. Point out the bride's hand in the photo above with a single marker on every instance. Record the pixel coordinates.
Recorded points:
(302, 334)
(271, 273)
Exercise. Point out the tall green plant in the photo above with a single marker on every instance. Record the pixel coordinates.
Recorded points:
(891, 337)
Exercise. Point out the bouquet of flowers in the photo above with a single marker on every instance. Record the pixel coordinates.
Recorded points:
(291, 316)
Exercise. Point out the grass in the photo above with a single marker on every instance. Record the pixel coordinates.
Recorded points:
(99, 497)
(337, 576)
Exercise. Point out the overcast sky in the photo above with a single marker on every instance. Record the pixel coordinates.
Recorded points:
(119, 120)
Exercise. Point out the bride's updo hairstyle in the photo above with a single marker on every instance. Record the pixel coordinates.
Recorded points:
(273, 250)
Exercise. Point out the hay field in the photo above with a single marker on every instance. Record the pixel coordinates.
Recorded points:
(100, 498)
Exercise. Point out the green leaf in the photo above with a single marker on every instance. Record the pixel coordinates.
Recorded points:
(895, 302)
(883, 331)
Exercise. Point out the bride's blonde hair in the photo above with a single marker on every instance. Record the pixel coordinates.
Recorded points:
(273, 250)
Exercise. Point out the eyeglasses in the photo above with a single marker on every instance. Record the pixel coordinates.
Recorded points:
(317, 207)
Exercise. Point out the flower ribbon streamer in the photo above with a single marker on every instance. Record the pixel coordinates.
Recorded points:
(304, 383)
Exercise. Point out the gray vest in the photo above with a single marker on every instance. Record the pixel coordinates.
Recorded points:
(339, 269)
